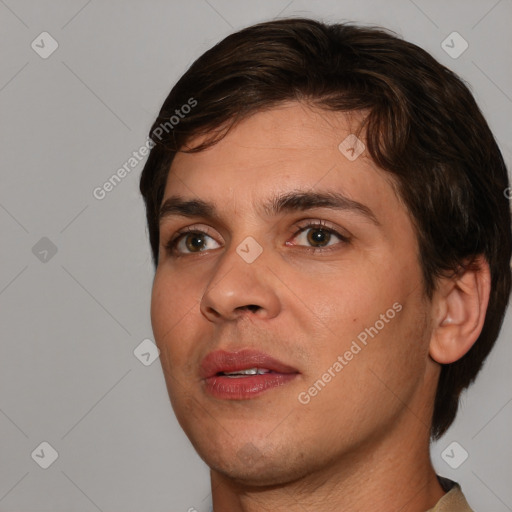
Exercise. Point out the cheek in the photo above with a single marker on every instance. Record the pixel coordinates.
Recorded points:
(378, 306)
(172, 305)
(395, 348)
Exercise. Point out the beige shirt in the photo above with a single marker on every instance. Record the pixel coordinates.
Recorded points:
(453, 500)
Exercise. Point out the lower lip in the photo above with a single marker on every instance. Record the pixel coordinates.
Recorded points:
(243, 388)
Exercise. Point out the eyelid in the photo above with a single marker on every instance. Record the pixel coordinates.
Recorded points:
(192, 229)
(320, 223)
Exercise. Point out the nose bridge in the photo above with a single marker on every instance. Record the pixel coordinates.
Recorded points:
(241, 280)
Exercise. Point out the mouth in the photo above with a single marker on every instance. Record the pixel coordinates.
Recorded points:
(243, 374)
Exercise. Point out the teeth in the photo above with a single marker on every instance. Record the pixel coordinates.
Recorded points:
(249, 371)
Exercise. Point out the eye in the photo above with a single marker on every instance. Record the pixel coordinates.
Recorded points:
(318, 235)
(190, 241)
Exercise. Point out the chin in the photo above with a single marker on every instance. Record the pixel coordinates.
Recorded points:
(266, 473)
(254, 464)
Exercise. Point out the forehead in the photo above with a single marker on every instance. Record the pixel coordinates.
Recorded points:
(291, 147)
(295, 127)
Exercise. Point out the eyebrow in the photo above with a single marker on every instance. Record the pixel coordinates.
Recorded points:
(285, 203)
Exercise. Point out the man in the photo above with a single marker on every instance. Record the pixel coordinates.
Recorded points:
(327, 214)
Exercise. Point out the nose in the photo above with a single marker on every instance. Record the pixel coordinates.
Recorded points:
(238, 289)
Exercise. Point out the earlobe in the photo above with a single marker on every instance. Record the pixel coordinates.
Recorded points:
(460, 309)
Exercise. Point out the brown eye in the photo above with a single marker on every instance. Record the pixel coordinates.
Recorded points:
(194, 241)
(191, 242)
(318, 236)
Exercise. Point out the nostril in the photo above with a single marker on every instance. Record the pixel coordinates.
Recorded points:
(251, 307)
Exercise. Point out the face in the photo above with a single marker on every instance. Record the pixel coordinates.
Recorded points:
(284, 253)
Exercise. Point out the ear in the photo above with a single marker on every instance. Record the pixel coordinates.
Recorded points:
(459, 308)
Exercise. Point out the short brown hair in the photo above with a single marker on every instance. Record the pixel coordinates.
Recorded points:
(422, 125)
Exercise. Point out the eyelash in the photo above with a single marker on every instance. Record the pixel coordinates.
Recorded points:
(172, 244)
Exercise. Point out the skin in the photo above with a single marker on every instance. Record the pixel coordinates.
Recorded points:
(364, 438)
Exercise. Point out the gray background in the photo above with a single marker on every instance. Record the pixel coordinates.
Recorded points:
(71, 320)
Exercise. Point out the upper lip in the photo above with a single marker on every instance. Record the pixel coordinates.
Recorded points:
(223, 361)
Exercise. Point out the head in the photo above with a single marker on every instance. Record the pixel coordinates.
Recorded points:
(262, 114)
